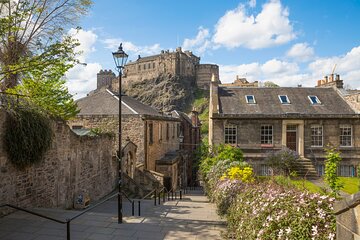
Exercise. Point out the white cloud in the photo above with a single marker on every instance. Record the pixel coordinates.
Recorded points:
(269, 28)
(273, 70)
(113, 44)
(348, 66)
(86, 39)
(200, 43)
(288, 74)
(301, 52)
(82, 79)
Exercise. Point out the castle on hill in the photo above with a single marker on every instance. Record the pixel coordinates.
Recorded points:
(175, 63)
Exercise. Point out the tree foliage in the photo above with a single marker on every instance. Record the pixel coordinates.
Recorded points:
(27, 29)
(45, 85)
(331, 164)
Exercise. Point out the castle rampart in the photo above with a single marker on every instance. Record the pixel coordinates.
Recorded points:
(175, 63)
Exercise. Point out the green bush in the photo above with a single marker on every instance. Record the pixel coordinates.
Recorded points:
(331, 164)
(283, 161)
(27, 137)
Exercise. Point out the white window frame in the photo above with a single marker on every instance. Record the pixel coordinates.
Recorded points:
(287, 99)
(251, 96)
(317, 135)
(317, 102)
(230, 136)
(342, 136)
(265, 136)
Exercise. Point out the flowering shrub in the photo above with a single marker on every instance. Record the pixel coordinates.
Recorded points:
(245, 174)
(217, 171)
(218, 153)
(283, 161)
(225, 193)
(268, 211)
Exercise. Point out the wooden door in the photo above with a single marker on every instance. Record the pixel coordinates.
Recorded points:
(291, 140)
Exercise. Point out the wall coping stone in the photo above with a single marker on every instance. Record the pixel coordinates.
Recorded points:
(347, 203)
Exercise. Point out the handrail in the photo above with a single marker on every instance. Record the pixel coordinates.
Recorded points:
(33, 213)
(127, 197)
(147, 195)
(67, 221)
(92, 207)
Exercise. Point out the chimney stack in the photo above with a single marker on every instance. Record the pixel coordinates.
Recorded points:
(333, 80)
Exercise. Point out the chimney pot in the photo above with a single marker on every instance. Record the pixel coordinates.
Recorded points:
(337, 77)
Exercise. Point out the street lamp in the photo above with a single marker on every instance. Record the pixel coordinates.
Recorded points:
(120, 58)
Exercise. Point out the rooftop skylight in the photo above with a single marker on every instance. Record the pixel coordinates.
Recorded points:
(314, 100)
(250, 99)
(284, 99)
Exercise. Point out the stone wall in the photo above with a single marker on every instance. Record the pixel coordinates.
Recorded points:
(132, 128)
(354, 101)
(204, 73)
(347, 214)
(73, 165)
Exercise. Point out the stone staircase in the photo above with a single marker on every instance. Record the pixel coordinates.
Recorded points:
(306, 169)
(143, 183)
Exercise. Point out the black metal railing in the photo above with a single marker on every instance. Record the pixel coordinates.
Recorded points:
(67, 221)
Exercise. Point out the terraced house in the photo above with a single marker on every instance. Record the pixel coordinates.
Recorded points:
(304, 119)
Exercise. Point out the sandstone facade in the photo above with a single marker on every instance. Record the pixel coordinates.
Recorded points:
(306, 120)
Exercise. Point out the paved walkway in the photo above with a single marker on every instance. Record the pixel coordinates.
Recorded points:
(193, 218)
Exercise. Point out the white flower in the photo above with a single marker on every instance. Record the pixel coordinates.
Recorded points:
(288, 230)
(331, 236)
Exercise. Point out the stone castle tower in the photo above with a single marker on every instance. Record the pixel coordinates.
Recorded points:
(176, 63)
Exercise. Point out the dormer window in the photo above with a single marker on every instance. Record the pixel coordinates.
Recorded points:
(314, 100)
(250, 99)
(284, 99)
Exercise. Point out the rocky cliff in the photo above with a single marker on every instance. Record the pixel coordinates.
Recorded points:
(165, 92)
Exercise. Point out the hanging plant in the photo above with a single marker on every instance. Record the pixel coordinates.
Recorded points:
(27, 137)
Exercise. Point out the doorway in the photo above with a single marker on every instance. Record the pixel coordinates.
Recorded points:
(291, 137)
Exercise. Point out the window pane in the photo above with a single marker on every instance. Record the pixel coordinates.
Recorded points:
(316, 136)
(230, 134)
(266, 134)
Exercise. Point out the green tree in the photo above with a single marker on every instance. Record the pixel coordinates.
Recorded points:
(331, 164)
(27, 29)
(44, 85)
(218, 153)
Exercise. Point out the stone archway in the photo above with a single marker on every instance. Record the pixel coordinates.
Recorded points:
(129, 158)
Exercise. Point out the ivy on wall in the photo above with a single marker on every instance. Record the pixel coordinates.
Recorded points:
(27, 137)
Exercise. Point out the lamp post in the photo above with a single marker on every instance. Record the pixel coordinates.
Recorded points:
(120, 58)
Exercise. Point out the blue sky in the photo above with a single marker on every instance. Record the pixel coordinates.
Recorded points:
(289, 42)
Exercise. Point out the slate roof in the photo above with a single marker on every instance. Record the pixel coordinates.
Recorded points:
(180, 114)
(107, 103)
(232, 101)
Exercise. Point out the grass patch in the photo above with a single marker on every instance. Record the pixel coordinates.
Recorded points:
(305, 184)
(351, 184)
(294, 183)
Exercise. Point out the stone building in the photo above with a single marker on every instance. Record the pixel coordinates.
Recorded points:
(260, 120)
(154, 134)
(176, 63)
(191, 139)
(242, 82)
